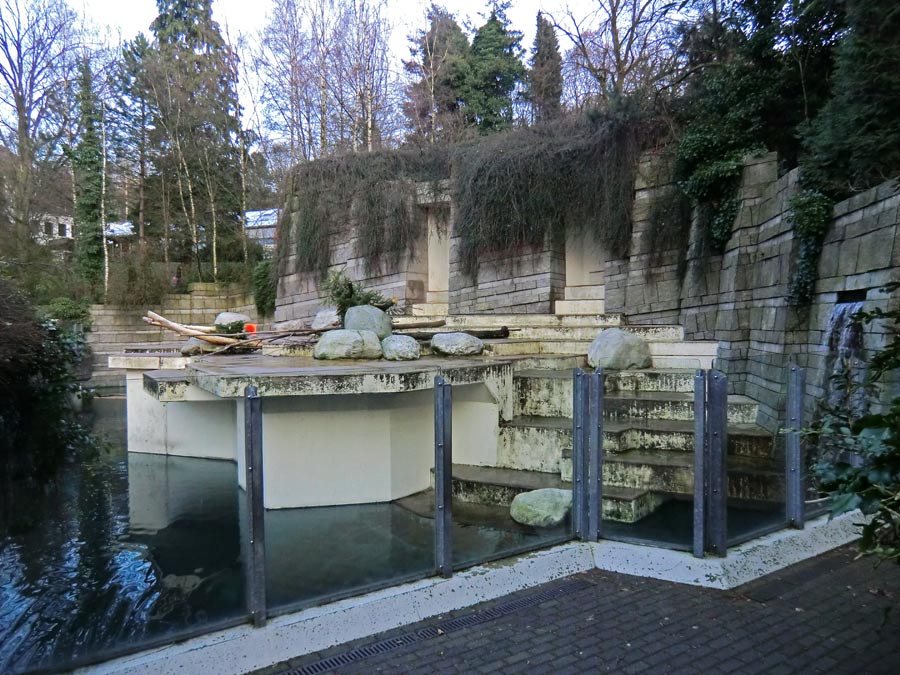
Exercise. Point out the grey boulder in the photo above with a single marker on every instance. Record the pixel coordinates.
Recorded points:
(348, 344)
(456, 344)
(367, 317)
(326, 318)
(400, 348)
(196, 347)
(546, 507)
(231, 317)
(618, 349)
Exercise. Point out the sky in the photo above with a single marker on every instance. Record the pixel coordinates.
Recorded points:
(126, 18)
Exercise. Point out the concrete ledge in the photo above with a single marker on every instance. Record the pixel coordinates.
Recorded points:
(743, 563)
(243, 649)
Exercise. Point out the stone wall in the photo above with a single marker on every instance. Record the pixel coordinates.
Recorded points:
(112, 325)
(527, 280)
(739, 297)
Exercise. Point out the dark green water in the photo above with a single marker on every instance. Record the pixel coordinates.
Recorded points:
(134, 548)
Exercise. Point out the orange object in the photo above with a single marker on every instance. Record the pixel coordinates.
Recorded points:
(249, 327)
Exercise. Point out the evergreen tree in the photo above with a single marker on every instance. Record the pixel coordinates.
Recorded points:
(132, 113)
(545, 77)
(87, 167)
(440, 61)
(196, 128)
(495, 71)
(854, 143)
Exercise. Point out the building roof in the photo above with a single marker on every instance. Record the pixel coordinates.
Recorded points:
(263, 218)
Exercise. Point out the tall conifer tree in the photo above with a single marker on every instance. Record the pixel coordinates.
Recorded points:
(545, 77)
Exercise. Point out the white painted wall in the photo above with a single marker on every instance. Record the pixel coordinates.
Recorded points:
(438, 255)
(585, 259)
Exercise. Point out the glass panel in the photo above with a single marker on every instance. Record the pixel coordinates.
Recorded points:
(348, 494)
(490, 471)
(122, 551)
(648, 472)
(756, 469)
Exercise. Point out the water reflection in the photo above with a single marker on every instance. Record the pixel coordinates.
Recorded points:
(123, 550)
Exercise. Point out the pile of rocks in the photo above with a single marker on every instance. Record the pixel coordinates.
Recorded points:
(367, 334)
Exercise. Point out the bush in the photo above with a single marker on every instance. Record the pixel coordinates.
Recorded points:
(871, 484)
(38, 363)
(69, 311)
(264, 288)
(345, 293)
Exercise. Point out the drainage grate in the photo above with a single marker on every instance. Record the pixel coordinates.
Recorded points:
(429, 632)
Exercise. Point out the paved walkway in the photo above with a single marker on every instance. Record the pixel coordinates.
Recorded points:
(827, 615)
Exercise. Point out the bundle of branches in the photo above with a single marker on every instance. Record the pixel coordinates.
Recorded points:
(514, 189)
(375, 192)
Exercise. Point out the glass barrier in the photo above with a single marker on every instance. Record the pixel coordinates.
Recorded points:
(512, 490)
(123, 552)
(648, 457)
(348, 494)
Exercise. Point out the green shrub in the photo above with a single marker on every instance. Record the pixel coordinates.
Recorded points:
(264, 288)
(69, 311)
(345, 293)
(810, 214)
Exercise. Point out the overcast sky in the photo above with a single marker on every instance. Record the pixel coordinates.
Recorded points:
(129, 17)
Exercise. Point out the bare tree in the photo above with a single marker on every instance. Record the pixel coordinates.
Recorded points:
(625, 45)
(35, 41)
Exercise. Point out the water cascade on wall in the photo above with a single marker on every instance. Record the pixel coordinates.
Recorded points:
(845, 367)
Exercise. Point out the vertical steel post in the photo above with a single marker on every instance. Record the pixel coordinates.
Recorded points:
(717, 464)
(579, 379)
(595, 457)
(794, 487)
(256, 531)
(700, 451)
(443, 478)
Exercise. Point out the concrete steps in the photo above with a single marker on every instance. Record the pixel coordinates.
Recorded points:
(497, 487)
(666, 355)
(579, 307)
(585, 292)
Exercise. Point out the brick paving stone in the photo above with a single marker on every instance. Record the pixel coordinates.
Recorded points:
(827, 615)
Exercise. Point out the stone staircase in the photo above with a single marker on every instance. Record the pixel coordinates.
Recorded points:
(648, 416)
(112, 332)
(572, 334)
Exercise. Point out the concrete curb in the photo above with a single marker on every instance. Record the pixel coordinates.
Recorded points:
(243, 649)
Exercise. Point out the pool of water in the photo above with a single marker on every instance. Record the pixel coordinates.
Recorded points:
(135, 549)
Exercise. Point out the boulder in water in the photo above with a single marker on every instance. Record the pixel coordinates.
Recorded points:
(546, 507)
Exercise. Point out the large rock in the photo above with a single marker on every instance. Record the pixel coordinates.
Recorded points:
(618, 349)
(541, 508)
(196, 347)
(456, 344)
(400, 348)
(348, 344)
(367, 317)
(326, 318)
(224, 318)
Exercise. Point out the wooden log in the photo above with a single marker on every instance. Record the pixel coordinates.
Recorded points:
(486, 334)
(400, 325)
(154, 318)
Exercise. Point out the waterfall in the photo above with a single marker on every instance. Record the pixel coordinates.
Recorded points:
(845, 366)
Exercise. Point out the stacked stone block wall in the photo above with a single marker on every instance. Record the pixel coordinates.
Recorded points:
(739, 297)
(525, 281)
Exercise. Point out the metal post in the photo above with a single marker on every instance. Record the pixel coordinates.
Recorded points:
(717, 442)
(443, 478)
(595, 457)
(256, 533)
(794, 473)
(579, 379)
(700, 451)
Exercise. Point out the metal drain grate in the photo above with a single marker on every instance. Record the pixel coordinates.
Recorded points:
(429, 632)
